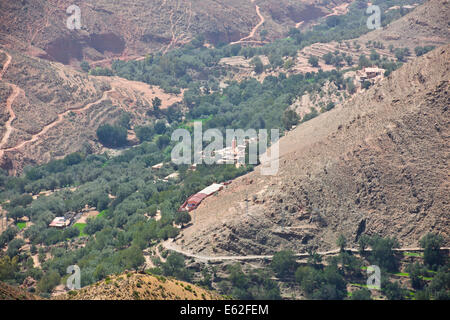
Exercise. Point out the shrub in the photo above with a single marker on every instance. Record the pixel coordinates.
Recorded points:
(112, 136)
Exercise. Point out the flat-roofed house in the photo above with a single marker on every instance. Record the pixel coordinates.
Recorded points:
(194, 201)
(59, 222)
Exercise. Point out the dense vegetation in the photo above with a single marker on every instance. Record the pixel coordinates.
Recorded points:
(129, 193)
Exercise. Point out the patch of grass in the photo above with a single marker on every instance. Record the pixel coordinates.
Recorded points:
(413, 254)
(21, 225)
(101, 214)
(359, 285)
(401, 274)
(81, 226)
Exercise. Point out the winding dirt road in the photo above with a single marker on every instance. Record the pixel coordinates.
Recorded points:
(337, 11)
(169, 245)
(255, 29)
(59, 119)
(9, 102)
(45, 129)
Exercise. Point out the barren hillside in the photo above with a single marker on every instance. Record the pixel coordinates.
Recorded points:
(130, 28)
(427, 25)
(135, 286)
(8, 292)
(50, 110)
(376, 165)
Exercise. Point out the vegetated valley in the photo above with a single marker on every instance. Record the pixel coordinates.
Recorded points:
(87, 179)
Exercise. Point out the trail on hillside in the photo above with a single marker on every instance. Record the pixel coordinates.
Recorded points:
(169, 245)
(176, 36)
(337, 11)
(12, 117)
(59, 119)
(255, 29)
(9, 102)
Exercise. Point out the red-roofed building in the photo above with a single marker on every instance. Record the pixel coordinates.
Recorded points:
(192, 202)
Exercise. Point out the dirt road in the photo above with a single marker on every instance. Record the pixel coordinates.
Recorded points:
(58, 120)
(255, 29)
(169, 245)
(9, 102)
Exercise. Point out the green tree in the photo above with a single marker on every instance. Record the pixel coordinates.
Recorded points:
(8, 267)
(382, 254)
(144, 133)
(162, 141)
(182, 218)
(439, 287)
(290, 118)
(156, 103)
(431, 243)
(393, 290)
(112, 136)
(160, 127)
(263, 34)
(258, 65)
(175, 266)
(50, 280)
(313, 61)
(85, 66)
(284, 264)
(362, 294)
(328, 58)
(341, 242)
(14, 247)
(363, 242)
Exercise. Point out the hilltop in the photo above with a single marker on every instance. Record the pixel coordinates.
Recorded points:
(8, 292)
(136, 286)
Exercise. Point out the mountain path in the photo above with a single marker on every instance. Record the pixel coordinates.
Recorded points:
(255, 29)
(169, 245)
(9, 102)
(59, 119)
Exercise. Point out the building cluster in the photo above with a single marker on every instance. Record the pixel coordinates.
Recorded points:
(372, 75)
(234, 154)
(60, 222)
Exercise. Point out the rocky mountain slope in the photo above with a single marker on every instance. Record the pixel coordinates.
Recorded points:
(133, 28)
(378, 164)
(136, 286)
(8, 292)
(427, 25)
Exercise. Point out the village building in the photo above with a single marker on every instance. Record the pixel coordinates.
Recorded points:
(194, 201)
(373, 75)
(235, 154)
(172, 176)
(158, 166)
(59, 222)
